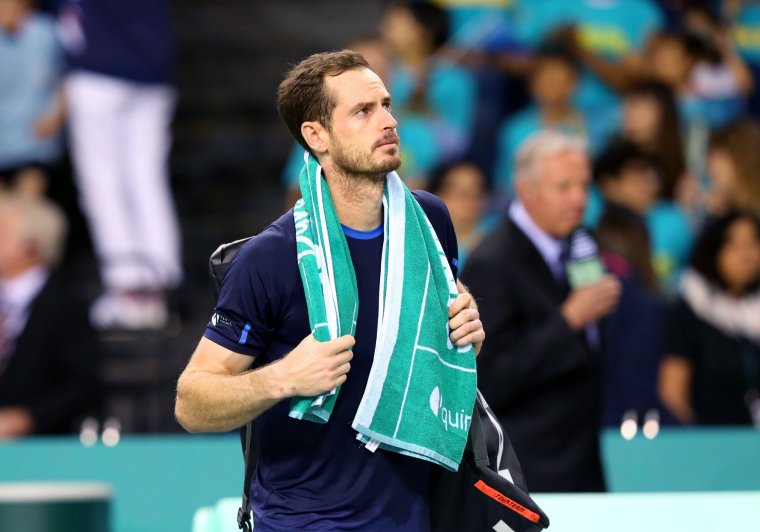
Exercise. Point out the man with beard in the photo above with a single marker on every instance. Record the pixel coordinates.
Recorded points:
(258, 353)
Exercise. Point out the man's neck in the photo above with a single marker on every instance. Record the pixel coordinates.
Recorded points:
(358, 200)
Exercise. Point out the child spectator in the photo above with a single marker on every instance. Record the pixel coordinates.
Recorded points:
(606, 37)
(709, 82)
(632, 333)
(552, 80)
(628, 176)
(650, 120)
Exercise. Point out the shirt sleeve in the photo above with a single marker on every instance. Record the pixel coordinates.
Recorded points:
(246, 311)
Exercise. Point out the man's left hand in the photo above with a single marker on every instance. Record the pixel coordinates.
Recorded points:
(464, 320)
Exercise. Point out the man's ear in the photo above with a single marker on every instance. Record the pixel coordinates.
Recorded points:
(316, 136)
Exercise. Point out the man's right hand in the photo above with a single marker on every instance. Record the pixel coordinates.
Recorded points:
(315, 367)
(591, 302)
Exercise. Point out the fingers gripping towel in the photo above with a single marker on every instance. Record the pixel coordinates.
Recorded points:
(421, 390)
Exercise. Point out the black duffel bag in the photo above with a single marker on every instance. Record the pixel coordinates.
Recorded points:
(488, 492)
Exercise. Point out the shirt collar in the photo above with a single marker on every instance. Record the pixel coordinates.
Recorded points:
(549, 247)
(19, 292)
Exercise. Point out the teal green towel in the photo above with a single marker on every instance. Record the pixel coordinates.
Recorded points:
(421, 389)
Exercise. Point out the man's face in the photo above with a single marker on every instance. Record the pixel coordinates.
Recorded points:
(555, 196)
(362, 139)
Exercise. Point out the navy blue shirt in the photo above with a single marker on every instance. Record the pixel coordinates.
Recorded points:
(318, 476)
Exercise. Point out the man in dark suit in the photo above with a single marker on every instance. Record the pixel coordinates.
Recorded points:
(541, 366)
(48, 365)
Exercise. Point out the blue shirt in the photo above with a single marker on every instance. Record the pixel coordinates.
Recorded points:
(30, 72)
(318, 476)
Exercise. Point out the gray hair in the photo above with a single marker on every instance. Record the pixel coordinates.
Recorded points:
(545, 143)
(41, 223)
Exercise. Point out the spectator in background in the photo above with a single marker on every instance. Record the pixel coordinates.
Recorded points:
(650, 119)
(540, 369)
(720, 76)
(433, 99)
(552, 80)
(485, 37)
(31, 102)
(711, 372)
(608, 39)
(463, 188)
(632, 333)
(743, 19)
(709, 79)
(709, 82)
(629, 177)
(121, 105)
(733, 163)
(651, 122)
(48, 364)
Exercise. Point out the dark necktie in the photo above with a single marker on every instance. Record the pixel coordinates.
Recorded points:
(564, 258)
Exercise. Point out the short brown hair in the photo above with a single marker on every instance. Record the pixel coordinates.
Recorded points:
(302, 96)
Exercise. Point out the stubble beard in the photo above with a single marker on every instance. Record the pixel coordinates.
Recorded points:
(356, 167)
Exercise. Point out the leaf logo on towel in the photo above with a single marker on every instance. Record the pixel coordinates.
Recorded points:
(451, 419)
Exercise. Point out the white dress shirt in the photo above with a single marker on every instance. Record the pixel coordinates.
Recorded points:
(17, 295)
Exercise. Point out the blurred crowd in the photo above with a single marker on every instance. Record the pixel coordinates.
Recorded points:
(663, 97)
(97, 75)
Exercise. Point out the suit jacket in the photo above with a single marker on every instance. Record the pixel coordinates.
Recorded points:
(53, 370)
(539, 376)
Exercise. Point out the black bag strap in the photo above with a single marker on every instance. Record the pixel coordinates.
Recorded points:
(218, 263)
(251, 458)
(478, 439)
(220, 260)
